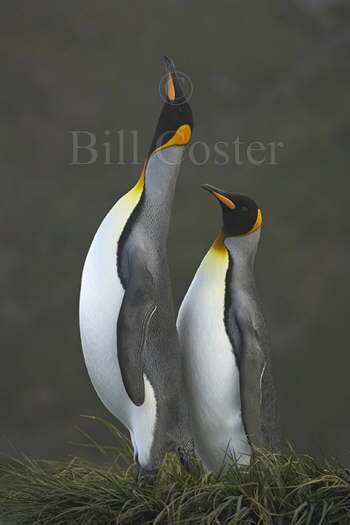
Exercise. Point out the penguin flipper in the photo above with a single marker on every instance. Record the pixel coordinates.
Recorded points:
(136, 312)
(254, 368)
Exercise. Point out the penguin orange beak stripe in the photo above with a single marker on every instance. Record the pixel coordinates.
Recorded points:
(219, 195)
(225, 200)
(171, 88)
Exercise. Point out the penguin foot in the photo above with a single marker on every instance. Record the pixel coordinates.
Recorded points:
(138, 470)
(187, 458)
(144, 476)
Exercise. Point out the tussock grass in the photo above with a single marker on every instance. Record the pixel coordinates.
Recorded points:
(274, 489)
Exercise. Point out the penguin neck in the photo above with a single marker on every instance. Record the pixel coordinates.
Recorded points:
(160, 176)
(242, 250)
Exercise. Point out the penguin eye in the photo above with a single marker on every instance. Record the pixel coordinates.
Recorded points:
(244, 208)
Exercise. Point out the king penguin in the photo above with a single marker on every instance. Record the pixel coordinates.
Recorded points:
(223, 337)
(127, 319)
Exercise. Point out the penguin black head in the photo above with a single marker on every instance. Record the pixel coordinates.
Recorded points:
(241, 214)
(176, 115)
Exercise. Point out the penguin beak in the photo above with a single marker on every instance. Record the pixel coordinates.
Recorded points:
(220, 195)
(174, 91)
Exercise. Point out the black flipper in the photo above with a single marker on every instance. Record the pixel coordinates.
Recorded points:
(258, 400)
(136, 312)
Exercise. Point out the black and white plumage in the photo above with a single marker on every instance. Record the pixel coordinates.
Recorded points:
(127, 319)
(223, 337)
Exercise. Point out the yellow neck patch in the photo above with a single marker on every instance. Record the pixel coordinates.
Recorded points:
(136, 192)
(217, 256)
(180, 138)
(218, 247)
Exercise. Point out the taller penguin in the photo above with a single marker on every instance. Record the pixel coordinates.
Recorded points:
(127, 319)
(222, 333)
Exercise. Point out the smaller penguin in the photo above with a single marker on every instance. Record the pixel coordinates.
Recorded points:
(223, 338)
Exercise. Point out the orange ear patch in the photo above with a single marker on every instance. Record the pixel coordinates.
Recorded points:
(180, 138)
(182, 135)
(257, 222)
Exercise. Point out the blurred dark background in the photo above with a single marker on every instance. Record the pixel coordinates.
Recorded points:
(267, 71)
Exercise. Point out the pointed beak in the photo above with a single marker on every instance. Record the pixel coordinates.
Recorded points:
(221, 195)
(174, 91)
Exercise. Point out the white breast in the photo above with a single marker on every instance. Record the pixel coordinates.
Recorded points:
(100, 301)
(211, 373)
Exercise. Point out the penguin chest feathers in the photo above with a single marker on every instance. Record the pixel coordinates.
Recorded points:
(100, 301)
(212, 375)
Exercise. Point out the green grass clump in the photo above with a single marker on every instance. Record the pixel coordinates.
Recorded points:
(274, 489)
